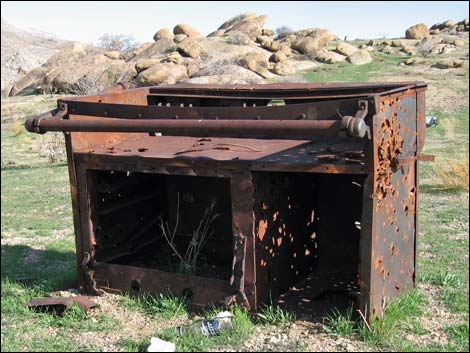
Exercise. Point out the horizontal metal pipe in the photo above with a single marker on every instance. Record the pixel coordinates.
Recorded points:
(196, 128)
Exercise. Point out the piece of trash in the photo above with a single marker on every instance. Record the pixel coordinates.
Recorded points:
(158, 345)
(431, 121)
(208, 327)
(58, 305)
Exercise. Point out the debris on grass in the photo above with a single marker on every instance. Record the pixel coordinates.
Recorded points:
(59, 305)
(208, 327)
(158, 345)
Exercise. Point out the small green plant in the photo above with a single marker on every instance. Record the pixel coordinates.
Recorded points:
(274, 315)
(459, 334)
(441, 278)
(341, 323)
(166, 306)
(397, 313)
(130, 345)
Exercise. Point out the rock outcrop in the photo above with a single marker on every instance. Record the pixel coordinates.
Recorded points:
(167, 73)
(164, 33)
(330, 57)
(360, 57)
(187, 30)
(418, 31)
(23, 51)
(249, 24)
(346, 49)
(311, 41)
(239, 51)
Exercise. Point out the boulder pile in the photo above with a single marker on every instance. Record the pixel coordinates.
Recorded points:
(240, 51)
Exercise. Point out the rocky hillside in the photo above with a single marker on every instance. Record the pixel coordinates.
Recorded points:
(241, 50)
(23, 51)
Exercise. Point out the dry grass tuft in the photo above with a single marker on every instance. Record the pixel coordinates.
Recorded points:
(52, 146)
(17, 128)
(449, 128)
(451, 173)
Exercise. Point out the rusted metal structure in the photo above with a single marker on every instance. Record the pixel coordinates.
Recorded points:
(312, 182)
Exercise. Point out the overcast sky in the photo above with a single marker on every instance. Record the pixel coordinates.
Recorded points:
(87, 20)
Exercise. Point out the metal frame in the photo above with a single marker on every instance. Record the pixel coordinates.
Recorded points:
(394, 113)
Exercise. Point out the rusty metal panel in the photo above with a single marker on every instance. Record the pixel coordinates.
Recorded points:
(394, 194)
(135, 280)
(57, 305)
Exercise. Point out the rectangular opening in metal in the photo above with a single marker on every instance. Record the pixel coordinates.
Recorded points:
(307, 228)
(171, 223)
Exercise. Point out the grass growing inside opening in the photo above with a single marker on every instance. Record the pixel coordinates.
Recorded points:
(274, 315)
(341, 324)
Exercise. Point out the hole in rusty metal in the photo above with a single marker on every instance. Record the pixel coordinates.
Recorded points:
(135, 286)
(187, 293)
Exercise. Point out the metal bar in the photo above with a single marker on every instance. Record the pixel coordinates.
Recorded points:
(132, 279)
(313, 110)
(260, 95)
(196, 128)
(282, 89)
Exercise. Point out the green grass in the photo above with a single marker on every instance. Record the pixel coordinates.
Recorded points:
(387, 332)
(190, 342)
(345, 72)
(341, 323)
(26, 330)
(241, 330)
(274, 315)
(131, 345)
(165, 306)
(459, 335)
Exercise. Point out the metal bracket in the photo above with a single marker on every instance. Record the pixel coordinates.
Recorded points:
(89, 274)
(355, 126)
(32, 124)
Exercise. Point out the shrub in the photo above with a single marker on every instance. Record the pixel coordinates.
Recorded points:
(17, 128)
(120, 42)
(283, 31)
(52, 147)
(451, 173)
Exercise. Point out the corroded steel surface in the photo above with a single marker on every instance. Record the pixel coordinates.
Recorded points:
(315, 186)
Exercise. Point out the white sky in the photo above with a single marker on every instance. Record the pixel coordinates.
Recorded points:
(87, 20)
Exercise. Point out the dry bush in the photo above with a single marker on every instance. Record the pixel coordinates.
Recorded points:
(52, 147)
(283, 31)
(94, 82)
(17, 128)
(449, 128)
(84, 86)
(119, 42)
(451, 173)
(189, 260)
